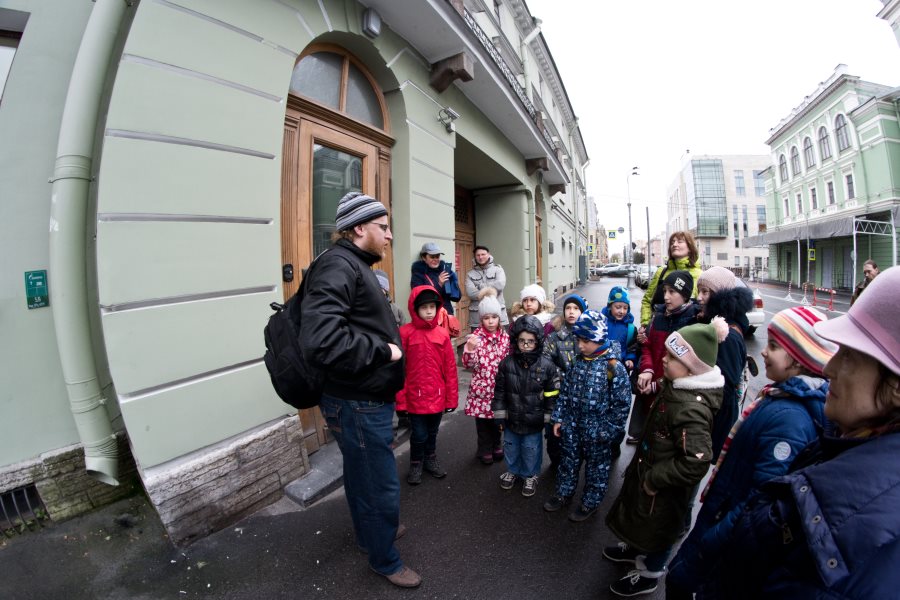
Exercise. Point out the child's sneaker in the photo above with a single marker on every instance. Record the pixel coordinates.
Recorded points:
(621, 553)
(634, 584)
(581, 513)
(414, 477)
(507, 480)
(555, 503)
(530, 486)
(434, 467)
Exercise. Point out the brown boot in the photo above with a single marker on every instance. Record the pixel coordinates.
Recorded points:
(405, 578)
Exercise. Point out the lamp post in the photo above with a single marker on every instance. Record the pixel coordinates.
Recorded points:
(629, 251)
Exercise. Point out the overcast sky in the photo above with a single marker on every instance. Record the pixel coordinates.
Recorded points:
(650, 79)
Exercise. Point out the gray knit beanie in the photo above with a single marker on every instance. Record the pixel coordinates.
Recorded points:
(356, 208)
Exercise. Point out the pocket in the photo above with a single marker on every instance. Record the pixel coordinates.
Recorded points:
(367, 406)
(331, 412)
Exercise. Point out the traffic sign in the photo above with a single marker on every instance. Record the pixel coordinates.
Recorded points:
(621, 230)
(590, 248)
(612, 235)
(812, 254)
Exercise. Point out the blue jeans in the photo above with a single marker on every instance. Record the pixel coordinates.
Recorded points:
(524, 453)
(363, 430)
(423, 437)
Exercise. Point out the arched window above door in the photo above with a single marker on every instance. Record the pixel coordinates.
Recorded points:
(330, 76)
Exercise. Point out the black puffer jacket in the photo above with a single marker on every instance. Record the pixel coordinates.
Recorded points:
(346, 326)
(527, 383)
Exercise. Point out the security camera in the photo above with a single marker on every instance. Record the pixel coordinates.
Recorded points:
(452, 113)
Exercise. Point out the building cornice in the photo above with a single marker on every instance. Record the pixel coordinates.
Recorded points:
(825, 89)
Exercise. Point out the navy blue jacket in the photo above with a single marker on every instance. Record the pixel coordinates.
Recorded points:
(786, 420)
(830, 529)
(423, 275)
(623, 332)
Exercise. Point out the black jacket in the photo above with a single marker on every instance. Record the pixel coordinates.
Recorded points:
(527, 383)
(346, 326)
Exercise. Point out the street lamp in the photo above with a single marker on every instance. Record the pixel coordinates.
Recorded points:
(629, 252)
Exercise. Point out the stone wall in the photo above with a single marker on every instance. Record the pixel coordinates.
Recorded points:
(63, 484)
(219, 487)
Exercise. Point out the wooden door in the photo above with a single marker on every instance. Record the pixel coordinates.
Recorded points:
(320, 165)
(464, 210)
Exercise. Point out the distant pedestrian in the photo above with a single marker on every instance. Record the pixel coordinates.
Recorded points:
(484, 350)
(683, 256)
(485, 273)
(672, 458)
(591, 411)
(524, 394)
(431, 270)
(349, 332)
(719, 295)
(385, 284)
(431, 386)
(676, 311)
(870, 272)
(533, 301)
(560, 347)
(771, 432)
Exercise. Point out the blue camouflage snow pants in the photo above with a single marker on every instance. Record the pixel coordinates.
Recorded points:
(597, 456)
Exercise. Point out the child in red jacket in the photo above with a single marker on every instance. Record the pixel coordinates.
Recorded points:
(431, 382)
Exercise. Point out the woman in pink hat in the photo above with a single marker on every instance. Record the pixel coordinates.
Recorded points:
(830, 528)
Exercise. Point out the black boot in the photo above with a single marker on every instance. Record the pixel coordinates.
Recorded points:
(415, 473)
(434, 467)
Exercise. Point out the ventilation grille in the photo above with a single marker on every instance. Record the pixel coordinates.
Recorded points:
(21, 510)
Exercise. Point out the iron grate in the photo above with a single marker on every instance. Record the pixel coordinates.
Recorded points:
(22, 510)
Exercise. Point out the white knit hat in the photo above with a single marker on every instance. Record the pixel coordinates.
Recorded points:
(488, 303)
(533, 291)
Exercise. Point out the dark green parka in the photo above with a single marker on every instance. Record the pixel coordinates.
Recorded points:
(673, 456)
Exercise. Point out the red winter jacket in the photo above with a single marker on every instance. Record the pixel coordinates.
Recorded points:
(431, 383)
(660, 327)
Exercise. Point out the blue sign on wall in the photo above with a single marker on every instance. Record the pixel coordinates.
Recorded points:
(36, 292)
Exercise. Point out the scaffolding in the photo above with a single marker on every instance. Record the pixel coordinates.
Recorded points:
(870, 227)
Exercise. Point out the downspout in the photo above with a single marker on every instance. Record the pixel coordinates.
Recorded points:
(68, 249)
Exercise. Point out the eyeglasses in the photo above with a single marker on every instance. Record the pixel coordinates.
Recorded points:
(384, 226)
(527, 343)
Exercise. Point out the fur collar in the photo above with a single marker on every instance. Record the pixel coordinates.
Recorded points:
(707, 381)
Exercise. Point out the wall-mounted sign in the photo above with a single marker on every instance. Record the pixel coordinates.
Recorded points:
(812, 254)
(612, 235)
(36, 292)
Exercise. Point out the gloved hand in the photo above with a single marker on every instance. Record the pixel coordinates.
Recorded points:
(402, 414)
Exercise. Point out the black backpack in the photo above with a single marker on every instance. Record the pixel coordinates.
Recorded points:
(295, 381)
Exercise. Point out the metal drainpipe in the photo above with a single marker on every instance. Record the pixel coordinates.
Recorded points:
(68, 253)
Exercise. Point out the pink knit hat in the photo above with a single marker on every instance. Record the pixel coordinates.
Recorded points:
(871, 326)
(793, 329)
(717, 279)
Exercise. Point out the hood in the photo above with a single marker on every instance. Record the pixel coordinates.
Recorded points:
(420, 266)
(418, 321)
(530, 324)
(680, 264)
(732, 305)
(489, 263)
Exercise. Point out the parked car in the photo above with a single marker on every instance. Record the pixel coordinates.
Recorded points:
(608, 268)
(756, 316)
(642, 276)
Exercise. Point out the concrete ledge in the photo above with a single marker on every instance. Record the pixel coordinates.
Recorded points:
(326, 474)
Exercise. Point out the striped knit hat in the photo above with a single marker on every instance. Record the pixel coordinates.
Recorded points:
(356, 208)
(793, 329)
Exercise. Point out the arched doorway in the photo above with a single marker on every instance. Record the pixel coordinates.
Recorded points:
(336, 140)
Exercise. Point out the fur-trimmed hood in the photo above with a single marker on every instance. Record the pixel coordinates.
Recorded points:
(547, 310)
(705, 381)
(732, 305)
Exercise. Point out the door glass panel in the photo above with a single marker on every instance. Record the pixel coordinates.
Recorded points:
(362, 103)
(318, 76)
(334, 174)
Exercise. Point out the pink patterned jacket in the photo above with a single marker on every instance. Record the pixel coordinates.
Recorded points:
(484, 362)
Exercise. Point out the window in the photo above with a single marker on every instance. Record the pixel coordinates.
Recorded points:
(721, 256)
(759, 183)
(739, 183)
(799, 203)
(9, 41)
(842, 133)
(336, 80)
(737, 240)
(761, 218)
(795, 161)
(830, 186)
(787, 207)
(824, 144)
(744, 222)
(782, 168)
(808, 153)
(737, 261)
(813, 198)
(851, 193)
(497, 9)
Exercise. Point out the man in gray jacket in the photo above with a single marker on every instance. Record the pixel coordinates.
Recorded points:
(485, 273)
